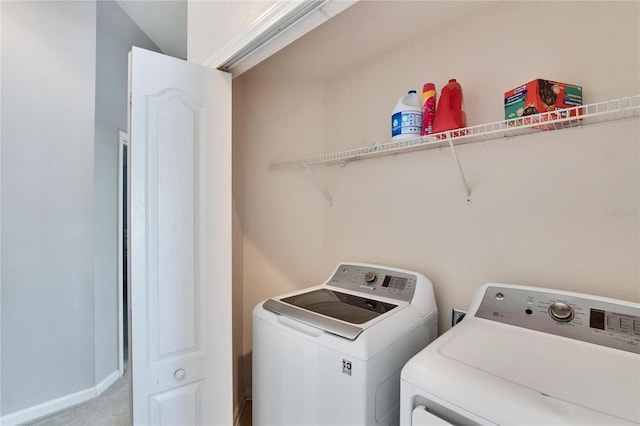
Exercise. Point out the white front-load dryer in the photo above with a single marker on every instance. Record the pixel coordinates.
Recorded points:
(332, 354)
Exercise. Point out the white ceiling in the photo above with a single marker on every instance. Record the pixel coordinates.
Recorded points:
(163, 21)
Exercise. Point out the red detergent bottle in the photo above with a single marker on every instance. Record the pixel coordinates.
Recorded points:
(450, 112)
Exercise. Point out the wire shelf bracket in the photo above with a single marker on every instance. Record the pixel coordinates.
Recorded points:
(464, 180)
(319, 184)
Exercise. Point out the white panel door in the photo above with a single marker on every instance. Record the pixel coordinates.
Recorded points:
(180, 242)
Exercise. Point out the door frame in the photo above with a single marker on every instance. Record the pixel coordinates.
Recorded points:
(123, 144)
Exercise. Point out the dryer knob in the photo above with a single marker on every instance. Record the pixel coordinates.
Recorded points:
(561, 312)
(370, 277)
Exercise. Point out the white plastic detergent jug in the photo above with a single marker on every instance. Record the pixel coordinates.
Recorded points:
(406, 120)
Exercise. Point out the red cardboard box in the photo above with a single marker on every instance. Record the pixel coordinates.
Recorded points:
(540, 96)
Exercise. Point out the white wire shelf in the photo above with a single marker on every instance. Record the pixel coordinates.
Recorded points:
(601, 112)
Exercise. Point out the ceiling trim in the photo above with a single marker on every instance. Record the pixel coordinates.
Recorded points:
(278, 20)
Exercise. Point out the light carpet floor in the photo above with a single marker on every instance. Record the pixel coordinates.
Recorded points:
(111, 408)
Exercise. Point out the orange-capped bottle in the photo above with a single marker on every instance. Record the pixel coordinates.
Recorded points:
(428, 108)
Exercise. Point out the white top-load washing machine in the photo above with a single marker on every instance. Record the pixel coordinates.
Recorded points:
(332, 354)
(527, 355)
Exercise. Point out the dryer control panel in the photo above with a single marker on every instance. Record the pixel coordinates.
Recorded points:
(593, 319)
(376, 280)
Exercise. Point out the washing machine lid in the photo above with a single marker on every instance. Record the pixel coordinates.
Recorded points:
(336, 312)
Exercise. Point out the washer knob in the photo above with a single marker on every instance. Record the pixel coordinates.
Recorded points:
(370, 277)
(561, 312)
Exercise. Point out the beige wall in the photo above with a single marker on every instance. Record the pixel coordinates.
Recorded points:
(542, 204)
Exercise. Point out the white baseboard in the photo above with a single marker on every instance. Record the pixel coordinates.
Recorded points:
(58, 404)
(108, 381)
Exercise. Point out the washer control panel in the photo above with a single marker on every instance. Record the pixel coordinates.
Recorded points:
(592, 319)
(376, 281)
